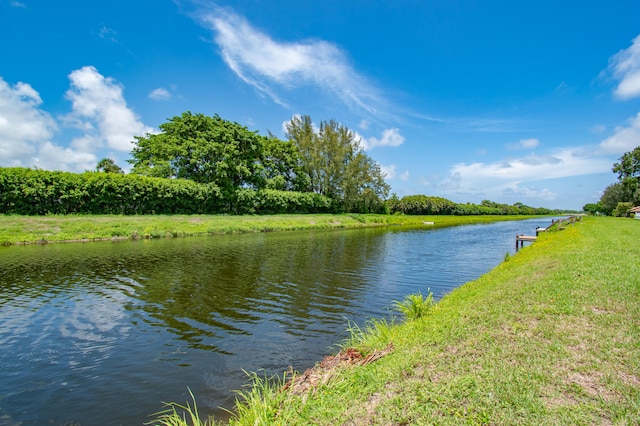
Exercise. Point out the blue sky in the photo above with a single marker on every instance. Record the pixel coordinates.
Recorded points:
(509, 101)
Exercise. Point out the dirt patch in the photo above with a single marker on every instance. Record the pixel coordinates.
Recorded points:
(629, 379)
(330, 366)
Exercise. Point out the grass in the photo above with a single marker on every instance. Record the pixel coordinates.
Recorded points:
(46, 229)
(550, 337)
(415, 306)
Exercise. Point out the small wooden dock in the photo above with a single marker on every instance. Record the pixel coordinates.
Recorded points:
(559, 224)
(520, 239)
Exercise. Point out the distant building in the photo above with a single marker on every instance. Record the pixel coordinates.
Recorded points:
(636, 211)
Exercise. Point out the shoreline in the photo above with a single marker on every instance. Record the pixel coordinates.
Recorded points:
(25, 230)
(540, 339)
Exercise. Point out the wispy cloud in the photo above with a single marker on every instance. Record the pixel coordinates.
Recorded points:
(389, 171)
(623, 139)
(524, 144)
(389, 137)
(107, 33)
(276, 68)
(625, 66)
(511, 176)
(160, 94)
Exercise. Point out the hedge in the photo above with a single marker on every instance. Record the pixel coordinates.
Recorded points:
(40, 192)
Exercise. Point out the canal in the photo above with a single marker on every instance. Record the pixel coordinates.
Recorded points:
(102, 333)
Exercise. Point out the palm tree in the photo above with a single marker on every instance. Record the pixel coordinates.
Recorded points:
(107, 165)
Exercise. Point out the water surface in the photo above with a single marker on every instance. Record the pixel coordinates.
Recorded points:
(102, 333)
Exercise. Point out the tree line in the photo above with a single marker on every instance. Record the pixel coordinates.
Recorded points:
(201, 164)
(619, 197)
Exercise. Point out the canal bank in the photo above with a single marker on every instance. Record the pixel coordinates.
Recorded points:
(20, 230)
(550, 336)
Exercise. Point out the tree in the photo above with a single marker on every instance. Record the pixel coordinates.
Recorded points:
(107, 165)
(282, 167)
(629, 165)
(622, 209)
(336, 165)
(592, 208)
(612, 195)
(204, 149)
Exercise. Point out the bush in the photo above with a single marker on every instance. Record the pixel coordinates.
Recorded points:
(39, 192)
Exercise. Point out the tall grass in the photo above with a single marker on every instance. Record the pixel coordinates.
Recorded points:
(180, 415)
(416, 306)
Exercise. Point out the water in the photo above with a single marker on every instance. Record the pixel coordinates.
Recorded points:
(102, 333)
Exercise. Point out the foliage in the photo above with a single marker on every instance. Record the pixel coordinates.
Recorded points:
(423, 204)
(627, 189)
(612, 195)
(107, 165)
(593, 208)
(39, 192)
(622, 209)
(203, 149)
(337, 166)
(629, 165)
(281, 166)
(415, 305)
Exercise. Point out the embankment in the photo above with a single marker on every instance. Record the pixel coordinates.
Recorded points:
(550, 336)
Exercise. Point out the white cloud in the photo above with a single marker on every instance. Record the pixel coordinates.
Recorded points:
(51, 156)
(564, 163)
(625, 66)
(389, 171)
(23, 125)
(528, 192)
(269, 65)
(390, 137)
(510, 176)
(26, 132)
(160, 94)
(404, 176)
(624, 139)
(364, 124)
(524, 144)
(100, 110)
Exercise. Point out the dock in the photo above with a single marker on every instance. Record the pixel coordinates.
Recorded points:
(520, 239)
(559, 224)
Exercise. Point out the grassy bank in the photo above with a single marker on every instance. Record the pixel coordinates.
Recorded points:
(44, 229)
(550, 336)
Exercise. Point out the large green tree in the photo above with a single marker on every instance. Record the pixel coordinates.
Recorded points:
(282, 167)
(629, 165)
(336, 164)
(613, 194)
(203, 149)
(627, 189)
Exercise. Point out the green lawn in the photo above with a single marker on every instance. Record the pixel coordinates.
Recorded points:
(39, 229)
(550, 336)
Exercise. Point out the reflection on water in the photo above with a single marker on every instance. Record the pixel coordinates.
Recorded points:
(101, 333)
